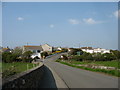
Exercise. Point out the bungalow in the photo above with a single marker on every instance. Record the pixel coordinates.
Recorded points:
(7, 50)
(94, 50)
(87, 49)
(100, 50)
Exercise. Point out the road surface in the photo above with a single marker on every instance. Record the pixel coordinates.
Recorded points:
(78, 78)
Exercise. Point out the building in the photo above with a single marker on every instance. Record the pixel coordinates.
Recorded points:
(37, 50)
(7, 49)
(47, 48)
(94, 50)
(100, 50)
(57, 48)
(87, 49)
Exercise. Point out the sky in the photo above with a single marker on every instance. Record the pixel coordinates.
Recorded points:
(65, 24)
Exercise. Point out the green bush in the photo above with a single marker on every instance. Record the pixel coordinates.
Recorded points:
(77, 58)
(27, 60)
(44, 54)
(8, 57)
(73, 51)
(64, 57)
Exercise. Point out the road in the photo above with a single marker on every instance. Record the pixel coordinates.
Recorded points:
(78, 78)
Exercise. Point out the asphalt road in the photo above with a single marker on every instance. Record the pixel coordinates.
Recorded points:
(78, 78)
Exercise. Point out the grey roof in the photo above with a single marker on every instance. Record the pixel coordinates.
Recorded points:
(33, 48)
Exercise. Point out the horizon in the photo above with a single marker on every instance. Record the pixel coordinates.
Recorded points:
(57, 46)
(66, 24)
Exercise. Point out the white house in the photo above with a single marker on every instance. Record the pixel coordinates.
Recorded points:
(87, 49)
(94, 50)
(37, 50)
(47, 47)
(100, 50)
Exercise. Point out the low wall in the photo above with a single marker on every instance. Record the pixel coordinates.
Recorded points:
(28, 79)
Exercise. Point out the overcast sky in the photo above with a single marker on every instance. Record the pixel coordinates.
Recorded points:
(61, 24)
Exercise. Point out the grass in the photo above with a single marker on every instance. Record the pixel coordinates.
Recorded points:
(9, 69)
(114, 63)
(110, 72)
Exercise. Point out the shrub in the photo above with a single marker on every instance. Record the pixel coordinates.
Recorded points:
(27, 60)
(116, 53)
(64, 57)
(77, 58)
(44, 54)
(8, 57)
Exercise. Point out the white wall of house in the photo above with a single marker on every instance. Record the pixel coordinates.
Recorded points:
(36, 54)
(97, 50)
(59, 48)
(47, 48)
(88, 50)
(106, 51)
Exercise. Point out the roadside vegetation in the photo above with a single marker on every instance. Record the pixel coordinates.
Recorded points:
(9, 69)
(18, 61)
(15, 62)
(107, 63)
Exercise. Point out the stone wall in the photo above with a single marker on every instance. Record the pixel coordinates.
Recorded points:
(28, 79)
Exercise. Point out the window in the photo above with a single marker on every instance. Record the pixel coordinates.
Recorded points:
(38, 51)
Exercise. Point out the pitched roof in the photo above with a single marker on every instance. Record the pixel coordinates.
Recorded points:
(86, 48)
(33, 47)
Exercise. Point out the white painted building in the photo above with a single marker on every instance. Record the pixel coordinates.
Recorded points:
(94, 50)
(100, 50)
(37, 50)
(88, 51)
(47, 47)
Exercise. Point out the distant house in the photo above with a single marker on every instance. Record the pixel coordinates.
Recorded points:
(47, 48)
(94, 50)
(100, 50)
(57, 49)
(7, 50)
(87, 49)
(37, 50)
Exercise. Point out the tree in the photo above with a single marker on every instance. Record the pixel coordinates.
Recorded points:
(72, 51)
(17, 51)
(27, 54)
(8, 57)
(108, 57)
(26, 57)
(116, 53)
(44, 54)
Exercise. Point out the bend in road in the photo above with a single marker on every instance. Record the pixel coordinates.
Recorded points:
(78, 78)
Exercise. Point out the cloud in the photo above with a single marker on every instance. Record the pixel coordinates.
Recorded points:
(74, 21)
(91, 21)
(20, 18)
(117, 13)
(52, 26)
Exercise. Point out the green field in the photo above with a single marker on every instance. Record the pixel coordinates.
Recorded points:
(114, 63)
(104, 63)
(9, 69)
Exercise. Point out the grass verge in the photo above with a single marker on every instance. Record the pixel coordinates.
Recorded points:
(110, 72)
(9, 69)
